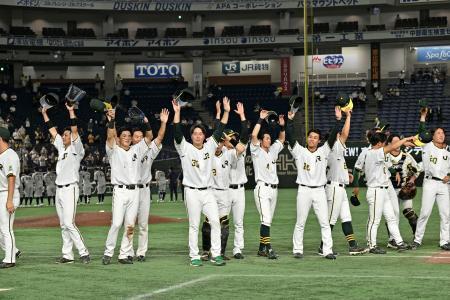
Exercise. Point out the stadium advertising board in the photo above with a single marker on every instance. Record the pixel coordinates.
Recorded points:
(246, 67)
(433, 54)
(285, 69)
(419, 1)
(157, 70)
(186, 5)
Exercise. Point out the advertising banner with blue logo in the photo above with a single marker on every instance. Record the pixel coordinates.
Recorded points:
(246, 67)
(433, 54)
(332, 61)
(157, 70)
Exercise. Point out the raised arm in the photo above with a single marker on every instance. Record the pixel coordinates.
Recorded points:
(392, 146)
(423, 117)
(73, 122)
(177, 134)
(290, 129)
(51, 127)
(218, 113)
(164, 117)
(333, 134)
(243, 140)
(217, 134)
(111, 133)
(346, 130)
(148, 130)
(257, 128)
(282, 134)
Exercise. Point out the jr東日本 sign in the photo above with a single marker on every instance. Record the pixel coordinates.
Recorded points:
(157, 70)
(246, 67)
(433, 54)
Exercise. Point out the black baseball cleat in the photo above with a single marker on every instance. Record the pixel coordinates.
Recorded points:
(392, 244)
(85, 259)
(320, 252)
(238, 256)
(446, 247)
(63, 260)
(4, 265)
(18, 254)
(330, 256)
(271, 254)
(377, 250)
(141, 258)
(402, 247)
(262, 253)
(414, 246)
(129, 257)
(205, 256)
(298, 255)
(106, 260)
(356, 250)
(125, 261)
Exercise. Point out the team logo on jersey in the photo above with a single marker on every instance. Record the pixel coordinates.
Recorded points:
(64, 156)
(134, 157)
(433, 159)
(144, 159)
(195, 163)
(206, 156)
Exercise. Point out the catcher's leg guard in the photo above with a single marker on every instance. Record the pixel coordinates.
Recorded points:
(224, 233)
(411, 215)
(206, 235)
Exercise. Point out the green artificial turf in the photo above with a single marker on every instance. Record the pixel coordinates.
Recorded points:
(167, 275)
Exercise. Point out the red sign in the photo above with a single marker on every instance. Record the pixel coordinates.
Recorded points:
(286, 75)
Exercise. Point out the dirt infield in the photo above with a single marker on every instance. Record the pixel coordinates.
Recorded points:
(439, 258)
(84, 219)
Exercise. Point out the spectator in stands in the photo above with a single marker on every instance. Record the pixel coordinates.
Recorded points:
(207, 81)
(426, 75)
(23, 80)
(98, 83)
(323, 97)
(412, 79)
(90, 126)
(397, 18)
(362, 86)
(197, 90)
(401, 79)
(374, 87)
(439, 113)
(379, 96)
(295, 88)
(119, 85)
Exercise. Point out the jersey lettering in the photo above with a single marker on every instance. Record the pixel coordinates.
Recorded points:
(206, 156)
(306, 167)
(433, 159)
(214, 172)
(195, 163)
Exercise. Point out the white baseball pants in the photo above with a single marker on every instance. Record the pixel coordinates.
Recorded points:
(198, 202)
(316, 197)
(66, 207)
(266, 201)
(125, 204)
(237, 197)
(142, 221)
(432, 191)
(338, 206)
(7, 239)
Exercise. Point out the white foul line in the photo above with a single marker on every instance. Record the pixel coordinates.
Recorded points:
(173, 287)
(4, 290)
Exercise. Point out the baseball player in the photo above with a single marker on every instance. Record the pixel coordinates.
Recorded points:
(87, 186)
(378, 198)
(227, 153)
(70, 153)
(401, 163)
(38, 183)
(196, 161)
(145, 179)
(311, 162)
(100, 181)
(436, 165)
(9, 198)
(27, 182)
(264, 156)
(49, 179)
(337, 180)
(161, 180)
(173, 184)
(125, 161)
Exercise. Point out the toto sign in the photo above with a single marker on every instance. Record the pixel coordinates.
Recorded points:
(157, 70)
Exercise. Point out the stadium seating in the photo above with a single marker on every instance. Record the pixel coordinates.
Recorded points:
(380, 27)
(122, 33)
(3, 32)
(21, 31)
(406, 122)
(406, 23)
(176, 32)
(288, 31)
(321, 28)
(233, 31)
(82, 33)
(207, 32)
(53, 32)
(256, 30)
(146, 33)
(434, 22)
(347, 26)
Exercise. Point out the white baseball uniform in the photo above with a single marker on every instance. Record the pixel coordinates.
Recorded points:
(99, 178)
(266, 178)
(67, 178)
(311, 180)
(238, 179)
(221, 180)
(49, 179)
(38, 180)
(125, 176)
(27, 182)
(9, 166)
(378, 198)
(162, 181)
(197, 180)
(337, 179)
(87, 186)
(436, 166)
(144, 198)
